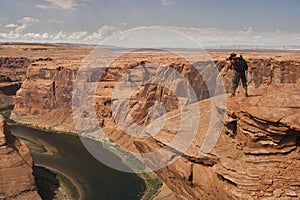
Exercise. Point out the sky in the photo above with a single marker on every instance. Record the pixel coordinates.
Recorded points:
(170, 22)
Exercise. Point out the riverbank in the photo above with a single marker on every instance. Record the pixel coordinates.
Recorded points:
(54, 184)
(151, 181)
(96, 180)
(36, 122)
(51, 182)
(153, 184)
(7, 111)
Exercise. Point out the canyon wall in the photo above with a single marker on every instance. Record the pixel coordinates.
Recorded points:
(13, 71)
(47, 73)
(257, 153)
(45, 99)
(16, 179)
(256, 156)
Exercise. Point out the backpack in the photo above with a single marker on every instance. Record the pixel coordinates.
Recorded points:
(241, 64)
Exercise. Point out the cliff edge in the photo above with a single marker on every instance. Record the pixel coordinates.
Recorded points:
(256, 156)
(16, 179)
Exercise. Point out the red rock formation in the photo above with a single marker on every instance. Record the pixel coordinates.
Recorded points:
(47, 92)
(45, 96)
(12, 75)
(16, 179)
(256, 156)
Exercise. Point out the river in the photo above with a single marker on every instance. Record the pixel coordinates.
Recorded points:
(67, 154)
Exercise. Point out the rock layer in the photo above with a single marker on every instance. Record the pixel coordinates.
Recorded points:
(16, 179)
(45, 97)
(13, 70)
(256, 155)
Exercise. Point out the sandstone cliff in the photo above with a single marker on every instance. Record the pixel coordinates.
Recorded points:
(47, 92)
(44, 99)
(13, 70)
(16, 179)
(15, 59)
(256, 155)
(47, 72)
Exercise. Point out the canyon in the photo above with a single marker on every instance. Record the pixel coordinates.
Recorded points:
(256, 154)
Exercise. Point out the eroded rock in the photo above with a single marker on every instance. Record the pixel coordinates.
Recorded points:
(16, 180)
(256, 155)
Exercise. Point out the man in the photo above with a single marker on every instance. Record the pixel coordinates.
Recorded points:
(239, 65)
(146, 73)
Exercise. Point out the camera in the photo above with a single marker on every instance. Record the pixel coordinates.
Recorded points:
(229, 58)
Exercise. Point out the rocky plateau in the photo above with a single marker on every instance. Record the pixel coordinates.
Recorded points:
(256, 154)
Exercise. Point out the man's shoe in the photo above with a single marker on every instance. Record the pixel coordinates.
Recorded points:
(246, 95)
(232, 95)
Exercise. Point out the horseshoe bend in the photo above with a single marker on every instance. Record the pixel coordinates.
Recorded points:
(168, 108)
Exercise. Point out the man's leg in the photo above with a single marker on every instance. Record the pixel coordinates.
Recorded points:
(246, 93)
(233, 93)
(244, 82)
(235, 83)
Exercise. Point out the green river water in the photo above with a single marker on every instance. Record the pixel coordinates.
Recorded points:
(66, 153)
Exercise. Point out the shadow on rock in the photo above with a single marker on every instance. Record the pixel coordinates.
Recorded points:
(46, 182)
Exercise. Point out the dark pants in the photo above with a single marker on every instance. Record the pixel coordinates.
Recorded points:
(237, 77)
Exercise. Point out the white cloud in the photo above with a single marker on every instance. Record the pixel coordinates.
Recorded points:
(203, 36)
(257, 37)
(77, 35)
(60, 35)
(167, 2)
(44, 6)
(248, 29)
(11, 35)
(11, 25)
(32, 36)
(58, 4)
(25, 23)
(55, 21)
(45, 36)
(246, 36)
(28, 37)
(103, 32)
(124, 24)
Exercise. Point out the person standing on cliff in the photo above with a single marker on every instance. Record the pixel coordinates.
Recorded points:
(146, 73)
(239, 65)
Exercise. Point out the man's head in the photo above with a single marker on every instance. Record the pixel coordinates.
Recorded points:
(232, 55)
